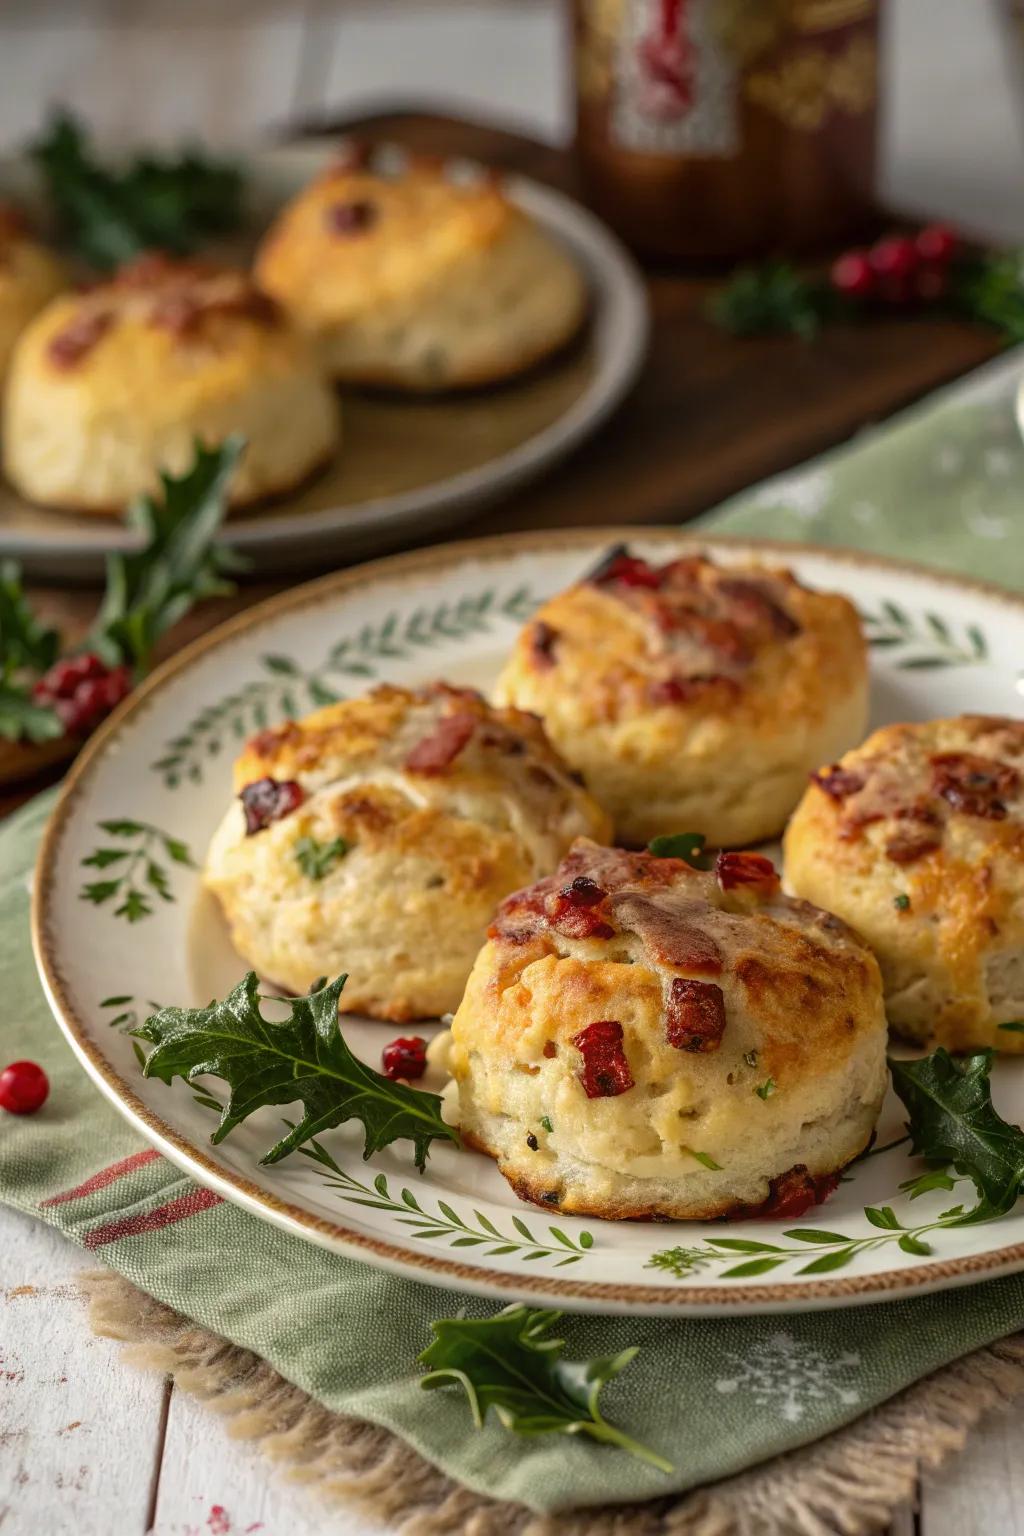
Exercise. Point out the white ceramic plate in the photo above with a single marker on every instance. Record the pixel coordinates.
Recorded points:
(163, 762)
(406, 466)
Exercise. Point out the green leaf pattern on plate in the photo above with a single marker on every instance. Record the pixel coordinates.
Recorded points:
(446, 1222)
(925, 643)
(134, 875)
(288, 689)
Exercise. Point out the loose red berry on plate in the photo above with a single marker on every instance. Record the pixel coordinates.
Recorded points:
(895, 257)
(936, 242)
(853, 275)
(23, 1088)
(405, 1057)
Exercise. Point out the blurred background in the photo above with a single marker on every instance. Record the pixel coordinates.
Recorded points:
(231, 70)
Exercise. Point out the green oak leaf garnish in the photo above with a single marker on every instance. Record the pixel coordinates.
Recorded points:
(507, 1362)
(952, 1120)
(774, 298)
(109, 215)
(304, 1057)
(688, 846)
(178, 564)
(317, 859)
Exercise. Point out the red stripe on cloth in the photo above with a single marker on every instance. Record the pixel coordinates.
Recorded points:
(151, 1221)
(105, 1176)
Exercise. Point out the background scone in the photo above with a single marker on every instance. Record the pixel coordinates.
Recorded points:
(108, 387)
(917, 839)
(378, 835)
(693, 697)
(639, 1038)
(29, 277)
(417, 282)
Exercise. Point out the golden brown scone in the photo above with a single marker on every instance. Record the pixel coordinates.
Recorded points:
(693, 697)
(641, 1039)
(917, 839)
(442, 805)
(417, 282)
(30, 275)
(108, 387)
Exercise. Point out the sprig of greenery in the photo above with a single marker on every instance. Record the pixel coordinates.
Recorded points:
(302, 1058)
(108, 216)
(989, 286)
(27, 648)
(773, 299)
(507, 1362)
(178, 564)
(317, 859)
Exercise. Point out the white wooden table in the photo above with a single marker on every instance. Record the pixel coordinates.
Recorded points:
(88, 1445)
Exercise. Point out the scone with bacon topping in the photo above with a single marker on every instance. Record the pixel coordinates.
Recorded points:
(644, 1039)
(416, 281)
(917, 839)
(109, 387)
(30, 275)
(378, 835)
(693, 696)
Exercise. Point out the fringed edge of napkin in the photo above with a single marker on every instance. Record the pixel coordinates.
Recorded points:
(851, 1481)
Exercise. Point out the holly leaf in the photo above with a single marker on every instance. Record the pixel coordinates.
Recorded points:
(773, 298)
(25, 643)
(508, 1363)
(178, 564)
(952, 1120)
(680, 845)
(109, 215)
(302, 1058)
(21, 718)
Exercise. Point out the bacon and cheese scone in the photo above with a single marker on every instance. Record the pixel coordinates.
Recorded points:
(30, 276)
(917, 839)
(108, 387)
(692, 696)
(378, 835)
(417, 282)
(643, 1039)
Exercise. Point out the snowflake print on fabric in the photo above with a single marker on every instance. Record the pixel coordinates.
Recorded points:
(805, 495)
(785, 1374)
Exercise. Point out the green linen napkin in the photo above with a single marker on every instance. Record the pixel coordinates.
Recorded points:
(714, 1395)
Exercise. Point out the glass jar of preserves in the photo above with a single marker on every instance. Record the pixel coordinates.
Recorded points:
(710, 130)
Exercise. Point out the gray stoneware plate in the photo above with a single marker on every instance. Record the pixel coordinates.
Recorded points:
(406, 467)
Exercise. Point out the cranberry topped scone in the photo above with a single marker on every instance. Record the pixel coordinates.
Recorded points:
(419, 282)
(378, 835)
(111, 386)
(917, 839)
(29, 277)
(693, 696)
(643, 1039)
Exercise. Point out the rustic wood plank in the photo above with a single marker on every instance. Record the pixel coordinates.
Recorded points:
(78, 1432)
(981, 1491)
(210, 1482)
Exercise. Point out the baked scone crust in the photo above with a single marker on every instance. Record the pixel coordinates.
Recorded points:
(916, 838)
(445, 806)
(414, 281)
(693, 696)
(30, 276)
(750, 1028)
(108, 387)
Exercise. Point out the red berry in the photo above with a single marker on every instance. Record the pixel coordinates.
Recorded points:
(23, 1088)
(936, 242)
(895, 257)
(853, 275)
(405, 1057)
